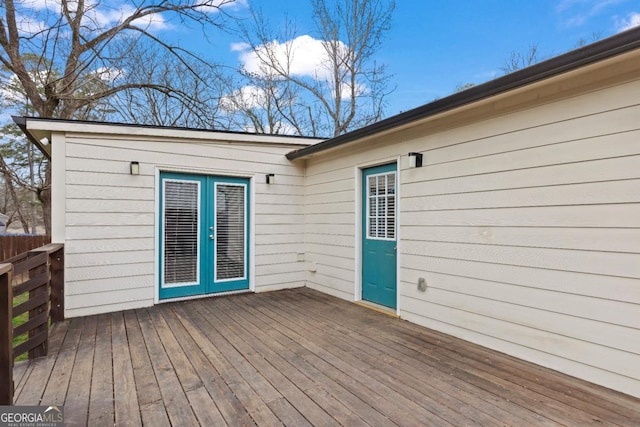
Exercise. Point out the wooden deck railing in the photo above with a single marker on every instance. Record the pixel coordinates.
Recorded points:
(40, 273)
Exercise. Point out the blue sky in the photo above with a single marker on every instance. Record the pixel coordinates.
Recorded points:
(435, 46)
(432, 47)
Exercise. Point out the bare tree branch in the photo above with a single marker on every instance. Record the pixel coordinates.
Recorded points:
(348, 89)
(74, 45)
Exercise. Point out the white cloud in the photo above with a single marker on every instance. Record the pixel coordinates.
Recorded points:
(41, 4)
(244, 98)
(240, 47)
(345, 90)
(303, 56)
(214, 6)
(632, 20)
(105, 17)
(107, 74)
(578, 12)
(233, 4)
(28, 25)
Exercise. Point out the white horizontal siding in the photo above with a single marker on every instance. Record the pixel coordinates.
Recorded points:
(525, 225)
(606, 313)
(598, 170)
(111, 219)
(614, 288)
(588, 239)
(107, 245)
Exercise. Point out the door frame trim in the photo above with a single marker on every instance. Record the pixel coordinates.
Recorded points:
(358, 176)
(158, 217)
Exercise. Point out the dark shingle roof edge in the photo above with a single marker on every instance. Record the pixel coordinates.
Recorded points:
(21, 122)
(607, 48)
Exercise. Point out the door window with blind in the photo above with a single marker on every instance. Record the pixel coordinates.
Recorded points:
(181, 249)
(231, 224)
(381, 206)
(204, 234)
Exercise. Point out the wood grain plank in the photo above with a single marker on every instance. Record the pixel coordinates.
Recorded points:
(101, 405)
(285, 379)
(429, 383)
(127, 410)
(180, 360)
(21, 372)
(173, 396)
(204, 407)
(250, 376)
(147, 388)
(414, 401)
(58, 383)
(485, 363)
(226, 402)
(253, 377)
(349, 373)
(253, 406)
(40, 369)
(154, 414)
(76, 407)
(344, 406)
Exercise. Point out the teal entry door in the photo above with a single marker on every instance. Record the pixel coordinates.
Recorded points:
(379, 240)
(204, 234)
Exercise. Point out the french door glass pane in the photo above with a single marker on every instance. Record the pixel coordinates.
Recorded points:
(230, 232)
(181, 232)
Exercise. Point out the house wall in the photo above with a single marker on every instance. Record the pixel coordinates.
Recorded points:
(524, 221)
(109, 219)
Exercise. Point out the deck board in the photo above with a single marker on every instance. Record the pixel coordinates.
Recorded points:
(126, 406)
(77, 399)
(296, 357)
(173, 395)
(101, 398)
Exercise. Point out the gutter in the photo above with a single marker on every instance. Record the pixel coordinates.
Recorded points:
(612, 46)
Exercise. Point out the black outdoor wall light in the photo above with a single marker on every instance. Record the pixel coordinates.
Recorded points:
(415, 160)
(270, 178)
(134, 168)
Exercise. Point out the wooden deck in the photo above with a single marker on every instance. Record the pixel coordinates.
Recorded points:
(295, 357)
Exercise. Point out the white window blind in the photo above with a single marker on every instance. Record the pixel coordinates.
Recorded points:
(381, 211)
(230, 232)
(181, 248)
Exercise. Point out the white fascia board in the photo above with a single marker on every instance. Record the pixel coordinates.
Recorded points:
(34, 125)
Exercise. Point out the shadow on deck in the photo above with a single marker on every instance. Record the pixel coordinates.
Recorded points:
(295, 357)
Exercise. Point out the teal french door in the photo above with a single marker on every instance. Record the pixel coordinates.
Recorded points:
(379, 235)
(204, 234)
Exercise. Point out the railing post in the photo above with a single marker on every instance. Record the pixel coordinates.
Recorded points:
(40, 350)
(6, 335)
(56, 260)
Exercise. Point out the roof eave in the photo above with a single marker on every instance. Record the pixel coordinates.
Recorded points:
(49, 125)
(21, 122)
